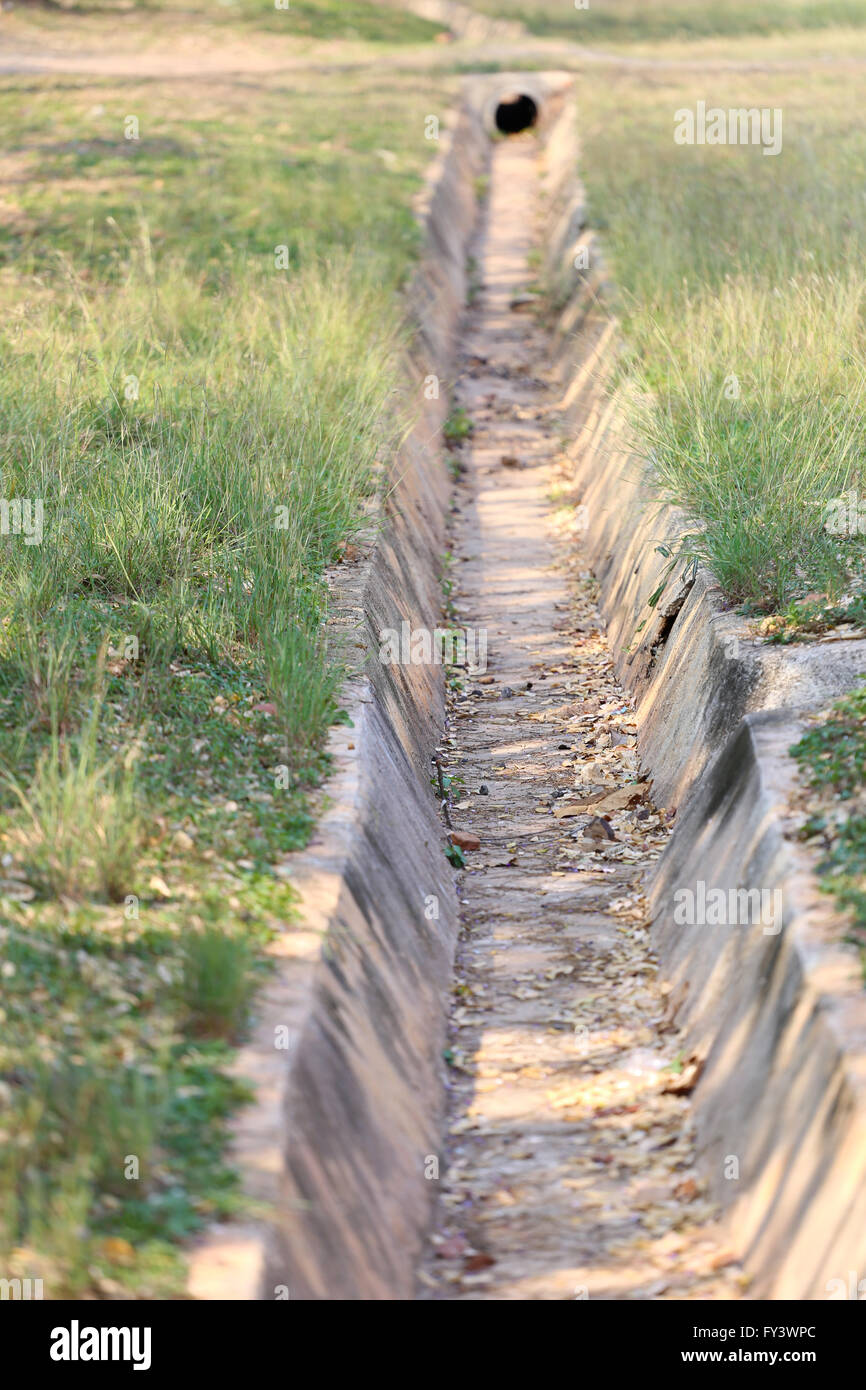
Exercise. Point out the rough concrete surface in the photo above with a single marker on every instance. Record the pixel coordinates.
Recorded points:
(776, 1010)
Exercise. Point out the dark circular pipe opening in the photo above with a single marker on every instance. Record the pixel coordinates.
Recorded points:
(516, 113)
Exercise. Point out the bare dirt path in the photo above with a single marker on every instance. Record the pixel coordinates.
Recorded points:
(461, 20)
(569, 1169)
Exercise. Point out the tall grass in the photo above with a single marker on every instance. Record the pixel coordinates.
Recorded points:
(216, 981)
(757, 426)
(204, 429)
(228, 479)
(743, 296)
(197, 518)
(356, 20)
(79, 830)
(633, 21)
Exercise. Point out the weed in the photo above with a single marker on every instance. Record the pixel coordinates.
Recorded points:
(457, 428)
(216, 982)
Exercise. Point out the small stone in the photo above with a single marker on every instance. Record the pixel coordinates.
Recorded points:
(484, 790)
(464, 839)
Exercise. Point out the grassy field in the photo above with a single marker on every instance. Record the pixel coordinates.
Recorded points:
(637, 21)
(317, 19)
(199, 339)
(742, 295)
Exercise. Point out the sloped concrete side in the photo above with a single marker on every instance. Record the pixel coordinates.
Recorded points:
(345, 1059)
(776, 1010)
(778, 1015)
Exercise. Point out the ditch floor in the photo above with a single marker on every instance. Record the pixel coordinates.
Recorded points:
(568, 1168)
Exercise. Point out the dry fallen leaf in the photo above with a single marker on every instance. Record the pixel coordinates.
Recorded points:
(686, 1080)
(623, 798)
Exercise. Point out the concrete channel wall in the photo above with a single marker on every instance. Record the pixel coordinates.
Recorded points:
(774, 1010)
(346, 1055)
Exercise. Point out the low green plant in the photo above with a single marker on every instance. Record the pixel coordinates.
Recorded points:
(78, 831)
(636, 21)
(457, 428)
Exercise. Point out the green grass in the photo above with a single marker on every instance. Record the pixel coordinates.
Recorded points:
(832, 762)
(308, 173)
(204, 419)
(318, 19)
(634, 21)
(742, 297)
(334, 19)
(458, 427)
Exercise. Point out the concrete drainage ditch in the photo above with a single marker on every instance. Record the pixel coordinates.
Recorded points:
(337, 1147)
